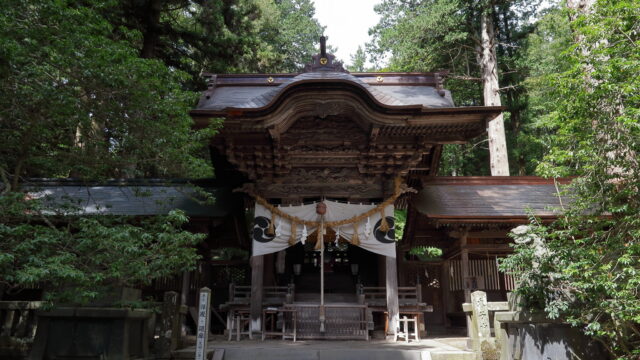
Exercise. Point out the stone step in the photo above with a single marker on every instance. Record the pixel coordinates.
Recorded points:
(288, 353)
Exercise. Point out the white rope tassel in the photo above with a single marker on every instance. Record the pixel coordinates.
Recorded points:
(337, 236)
(304, 235)
(279, 227)
(367, 227)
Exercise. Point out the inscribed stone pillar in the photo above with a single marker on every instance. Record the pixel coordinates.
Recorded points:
(481, 329)
(202, 335)
(257, 267)
(392, 293)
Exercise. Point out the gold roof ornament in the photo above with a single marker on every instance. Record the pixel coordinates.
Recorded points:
(324, 61)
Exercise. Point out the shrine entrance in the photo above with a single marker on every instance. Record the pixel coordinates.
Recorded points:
(345, 267)
(327, 296)
(327, 133)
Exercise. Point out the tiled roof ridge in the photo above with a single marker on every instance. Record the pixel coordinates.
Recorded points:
(266, 98)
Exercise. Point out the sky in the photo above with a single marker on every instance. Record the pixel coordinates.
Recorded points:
(347, 24)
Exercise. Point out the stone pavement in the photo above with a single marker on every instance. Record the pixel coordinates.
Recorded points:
(426, 349)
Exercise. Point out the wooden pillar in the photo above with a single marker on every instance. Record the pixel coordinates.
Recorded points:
(281, 262)
(186, 282)
(392, 293)
(464, 257)
(257, 267)
(445, 292)
(465, 274)
(268, 269)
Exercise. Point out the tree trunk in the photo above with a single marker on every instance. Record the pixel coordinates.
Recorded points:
(489, 67)
(151, 33)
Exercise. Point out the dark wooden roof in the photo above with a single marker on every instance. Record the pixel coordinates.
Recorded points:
(328, 132)
(129, 198)
(491, 199)
(256, 92)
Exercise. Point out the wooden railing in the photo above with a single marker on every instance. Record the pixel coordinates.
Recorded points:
(377, 295)
(373, 295)
(241, 294)
(342, 321)
(18, 324)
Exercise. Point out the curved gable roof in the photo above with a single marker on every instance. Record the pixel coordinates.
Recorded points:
(257, 92)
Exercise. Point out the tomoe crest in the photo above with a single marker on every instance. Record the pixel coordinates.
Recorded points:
(386, 237)
(261, 224)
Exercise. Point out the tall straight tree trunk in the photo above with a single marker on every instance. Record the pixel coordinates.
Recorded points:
(499, 161)
(150, 34)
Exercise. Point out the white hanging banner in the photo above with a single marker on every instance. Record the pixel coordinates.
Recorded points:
(370, 236)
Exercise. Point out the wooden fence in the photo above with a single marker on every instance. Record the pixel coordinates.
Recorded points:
(342, 321)
(485, 271)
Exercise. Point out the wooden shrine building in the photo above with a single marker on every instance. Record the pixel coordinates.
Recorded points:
(309, 170)
(329, 135)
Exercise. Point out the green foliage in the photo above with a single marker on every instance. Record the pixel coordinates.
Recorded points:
(230, 253)
(426, 253)
(76, 99)
(544, 56)
(221, 36)
(465, 159)
(586, 266)
(400, 221)
(76, 102)
(444, 34)
(95, 90)
(287, 35)
(82, 258)
(358, 61)
(427, 36)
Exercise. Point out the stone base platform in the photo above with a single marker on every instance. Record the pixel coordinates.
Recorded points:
(426, 349)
